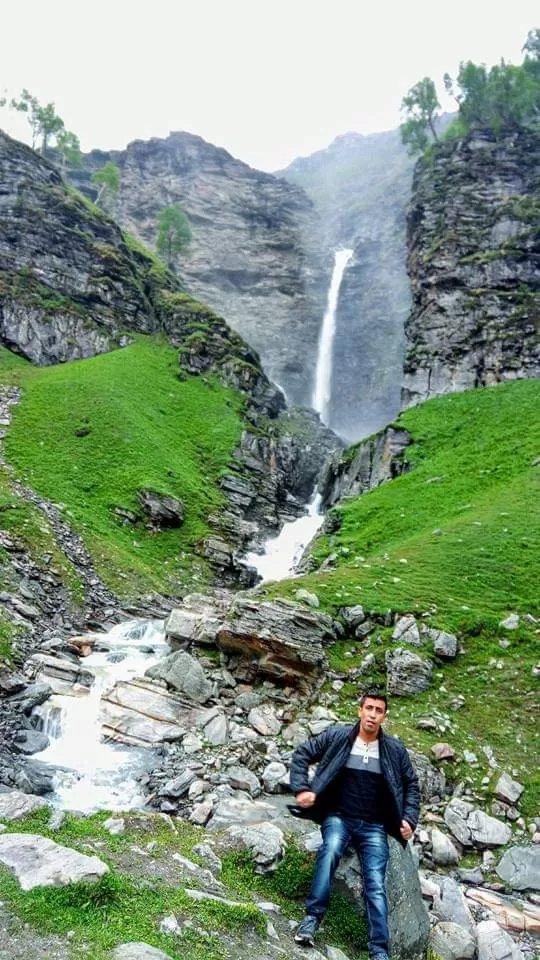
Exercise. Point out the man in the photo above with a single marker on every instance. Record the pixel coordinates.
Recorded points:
(364, 788)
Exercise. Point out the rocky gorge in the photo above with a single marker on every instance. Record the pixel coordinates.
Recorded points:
(242, 674)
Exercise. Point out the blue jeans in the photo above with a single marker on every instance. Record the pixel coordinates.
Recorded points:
(370, 843)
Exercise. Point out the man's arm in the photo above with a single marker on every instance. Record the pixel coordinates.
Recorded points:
(411, 791)
(308, 752)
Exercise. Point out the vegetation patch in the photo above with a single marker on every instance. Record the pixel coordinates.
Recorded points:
(124, 422)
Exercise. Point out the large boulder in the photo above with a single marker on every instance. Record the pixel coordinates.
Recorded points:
(39, 862)
(494, 943)
(183, 673)
(15, 805)
(449, 941)
(407, 673)
(63, 676)
(473, 827)
(162, 510)
(277, 638)
(520, 867)
(141, 713)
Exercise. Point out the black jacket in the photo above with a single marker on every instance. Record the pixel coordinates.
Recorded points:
(331, 750)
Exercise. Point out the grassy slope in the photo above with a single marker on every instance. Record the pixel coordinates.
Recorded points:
(481, 565)
(143, 428)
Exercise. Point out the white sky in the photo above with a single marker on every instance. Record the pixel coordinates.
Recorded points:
(269, 80)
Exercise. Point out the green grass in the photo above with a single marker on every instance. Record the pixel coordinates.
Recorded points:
(143, 428)
(480, 565)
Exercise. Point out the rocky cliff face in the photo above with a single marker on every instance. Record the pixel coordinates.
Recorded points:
(360, 186)
(69, 287)
(252, 256)
(474, 266)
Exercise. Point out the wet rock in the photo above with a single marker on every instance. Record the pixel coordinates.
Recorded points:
(183, 673)
(35, 776)
(62, 676)
(32, 696)
(30, 741)
(39, 862)
(407, 673)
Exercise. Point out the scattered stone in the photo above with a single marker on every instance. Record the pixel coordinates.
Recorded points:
(444, 852)
(16, 805)
(507, 789)
(183, 673)
(407, 631)
(443, 751)
(241, 778)
(210, 857)
(201, 813)
(310, 598)
(520, 868)
(427, 723)
(407, 673)
(445, 645)
(265, 841)
(263, 719)
(472, 875)
(39, 862)
(449, 903)
(511, 622)
(115, 826)
(473, 827)
(138, 951)
(216, 730)
(450, 941)
(494, 943)
(275, 777)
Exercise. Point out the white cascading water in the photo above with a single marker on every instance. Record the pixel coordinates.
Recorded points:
(323, 375)
(282, 554)
(94, 774)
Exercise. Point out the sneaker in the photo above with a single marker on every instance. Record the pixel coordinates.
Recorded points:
(305, 933)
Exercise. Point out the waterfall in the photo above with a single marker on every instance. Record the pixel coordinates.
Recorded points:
(323, 374)
(91, 774)
(282, 553)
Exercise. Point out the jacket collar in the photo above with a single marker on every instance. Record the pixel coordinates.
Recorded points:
(356, 730)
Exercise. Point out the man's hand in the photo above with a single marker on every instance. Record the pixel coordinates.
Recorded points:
(306, 799)
(405, 830)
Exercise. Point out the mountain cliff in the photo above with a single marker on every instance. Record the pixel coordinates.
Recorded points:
(474, 249)
(360, 186)
(252, 257)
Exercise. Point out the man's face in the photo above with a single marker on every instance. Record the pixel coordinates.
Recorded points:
(371, 713)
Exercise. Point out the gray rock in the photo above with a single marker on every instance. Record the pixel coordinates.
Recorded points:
(487, 831)
(472, 875)
(138, 951)
(115, 826)
(32, 696)
(179, 785)
(265, 841)
(275, 777)
(456, 815)
(445, 645)
(235, 811)
(183, 673)
(494, 943)
(163, 510)
(263, 719)
(39, 862)
(216, 730)
(16, 805)
(449, 902)
(407, 673)
(507, 789)
(407, 631)
(520, 867)
(333, 953)
(444, 852)
(352, 616)
(310, 598)
(210, 857)
(241, 778)
(196, 874)
(432, 781)
(30, 741)
(511, 622)
(449, 941)
(408, 920)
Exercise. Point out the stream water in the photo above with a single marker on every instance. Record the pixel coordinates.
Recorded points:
(93, 774)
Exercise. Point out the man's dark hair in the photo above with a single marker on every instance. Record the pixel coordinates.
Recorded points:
(374, 695)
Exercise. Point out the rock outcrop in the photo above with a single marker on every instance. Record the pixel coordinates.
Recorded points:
(474, 265)
(252, 257)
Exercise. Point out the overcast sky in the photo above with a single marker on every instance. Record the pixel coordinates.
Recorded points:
(269, 80)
